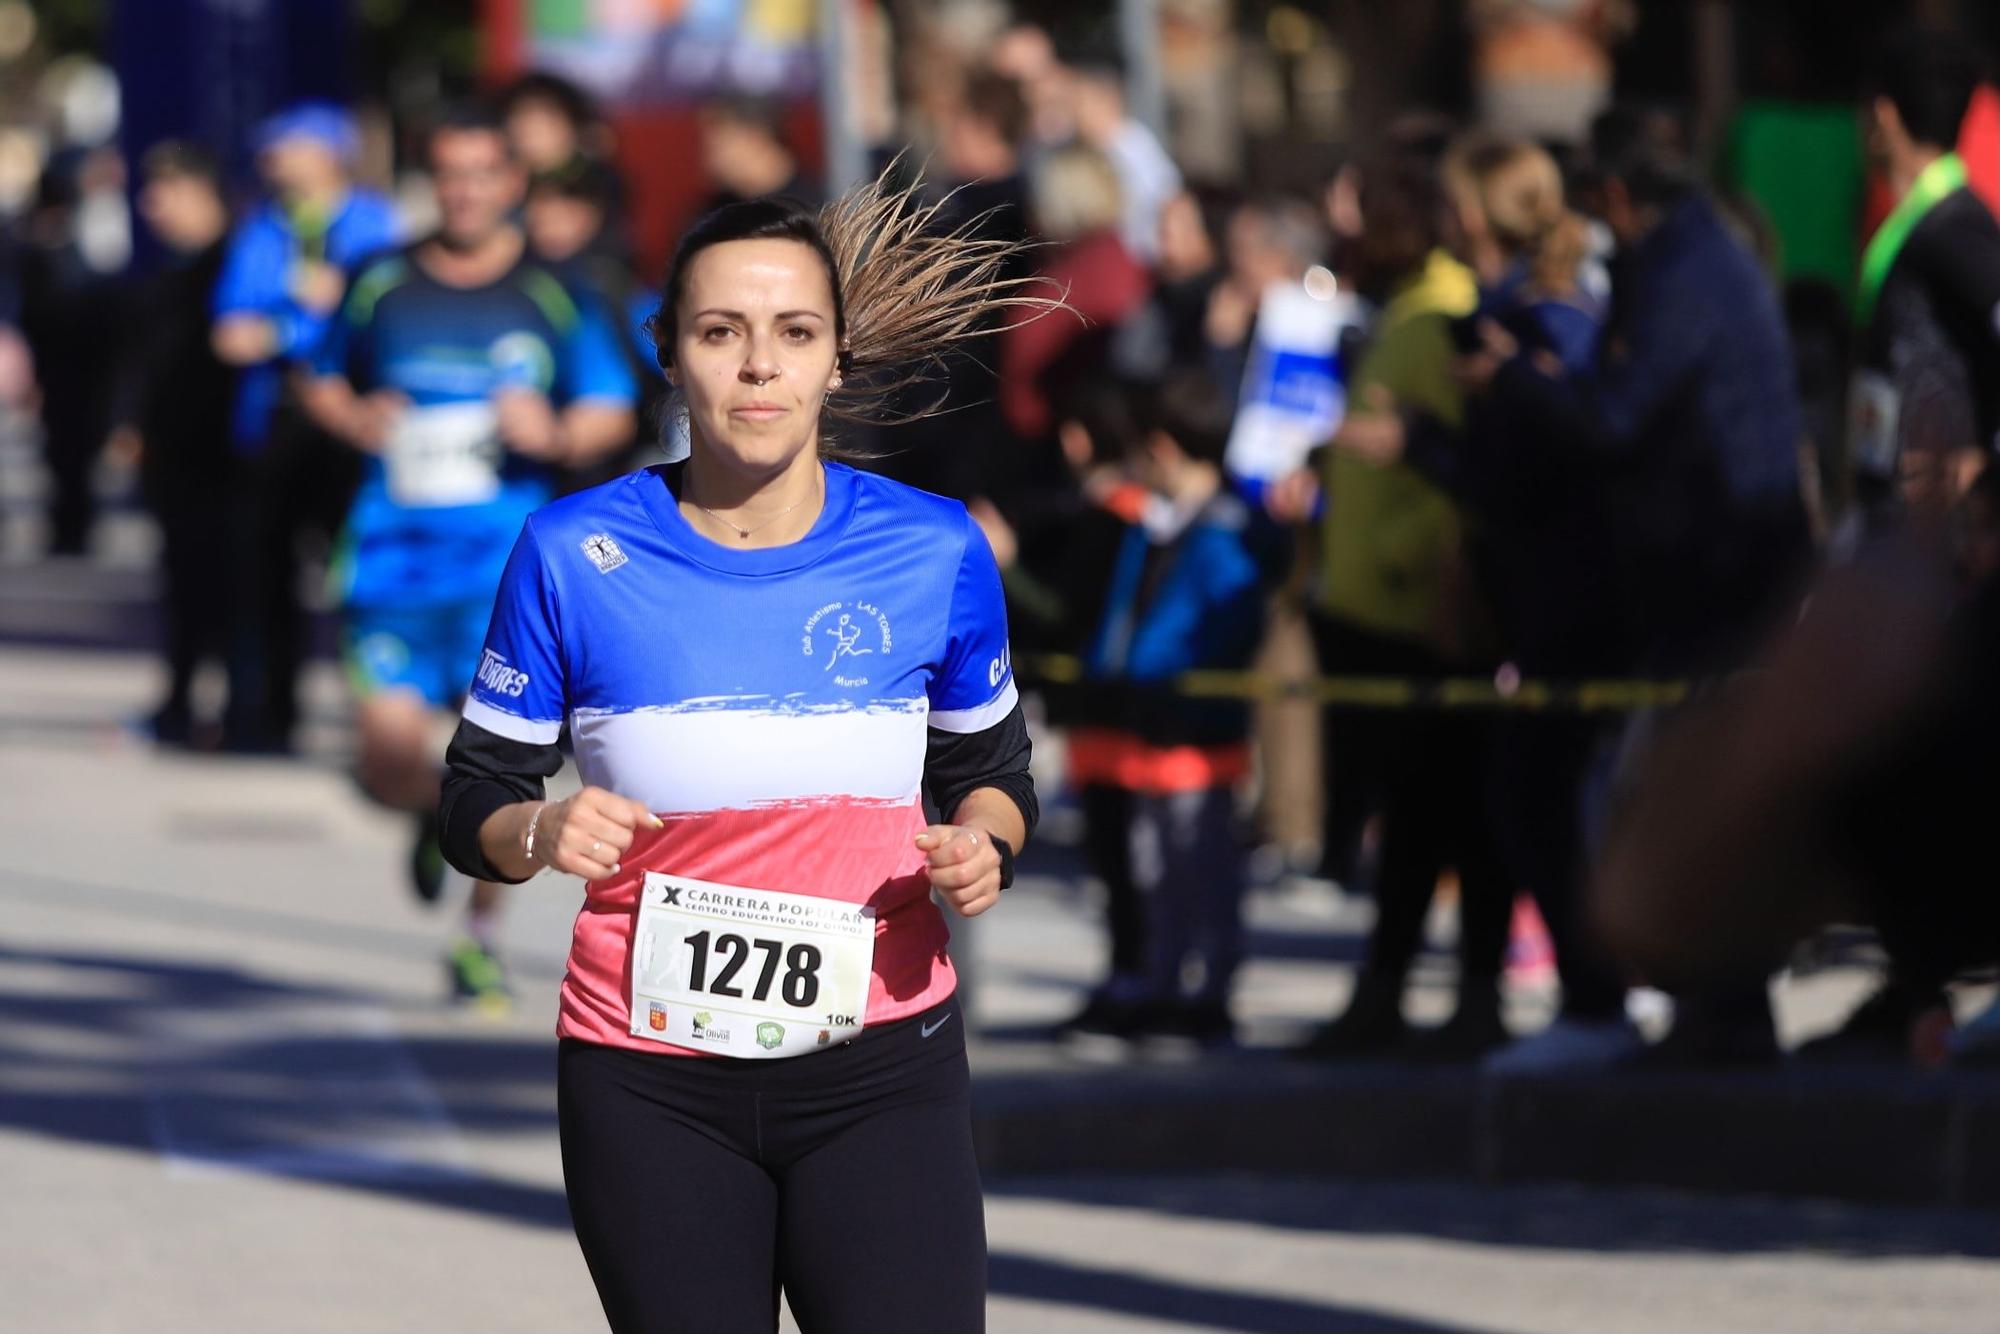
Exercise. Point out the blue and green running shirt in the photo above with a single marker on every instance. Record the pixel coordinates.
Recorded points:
(440, 507)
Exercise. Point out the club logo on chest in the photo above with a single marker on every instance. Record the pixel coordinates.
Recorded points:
(846, 639)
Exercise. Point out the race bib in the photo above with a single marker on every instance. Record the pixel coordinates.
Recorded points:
(748, 972)
(447, 455)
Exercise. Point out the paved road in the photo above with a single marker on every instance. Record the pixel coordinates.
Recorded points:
(230, 1100)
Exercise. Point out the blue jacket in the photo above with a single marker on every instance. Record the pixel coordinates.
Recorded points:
(256, 280)
(1689, 425)
(1188, 601)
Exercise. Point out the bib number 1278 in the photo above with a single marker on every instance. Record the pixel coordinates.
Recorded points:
(726, 954)
(752, 973)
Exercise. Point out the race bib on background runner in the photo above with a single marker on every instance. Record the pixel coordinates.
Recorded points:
(445, 455)
(748, 972)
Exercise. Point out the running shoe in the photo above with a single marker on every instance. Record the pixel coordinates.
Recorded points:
(477, 979)
(427, 863)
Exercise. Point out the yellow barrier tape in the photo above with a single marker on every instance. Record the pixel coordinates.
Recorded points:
(1394, 692)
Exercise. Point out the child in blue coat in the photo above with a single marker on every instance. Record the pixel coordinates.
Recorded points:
(1187, 594)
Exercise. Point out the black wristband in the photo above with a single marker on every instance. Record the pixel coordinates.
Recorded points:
(1006, 851)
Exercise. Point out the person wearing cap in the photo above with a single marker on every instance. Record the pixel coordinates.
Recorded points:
(283, 276)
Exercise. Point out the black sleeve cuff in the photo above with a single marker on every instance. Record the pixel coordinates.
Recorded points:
(957, 763)
(485, 771)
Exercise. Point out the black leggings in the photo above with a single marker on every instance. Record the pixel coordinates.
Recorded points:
(701, 1185)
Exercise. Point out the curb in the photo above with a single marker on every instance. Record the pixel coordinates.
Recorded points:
(1870, 1136)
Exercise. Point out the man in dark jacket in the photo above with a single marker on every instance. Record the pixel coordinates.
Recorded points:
(173, 408)
(1925, 407)
(1925, 403)
(1690, 420)
(1689, 431)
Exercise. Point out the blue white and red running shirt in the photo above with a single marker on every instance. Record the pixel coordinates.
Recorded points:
(770, 705)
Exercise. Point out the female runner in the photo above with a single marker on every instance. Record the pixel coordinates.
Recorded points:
(766, 660)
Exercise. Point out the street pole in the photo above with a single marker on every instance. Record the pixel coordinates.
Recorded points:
(846, 155)
(1139, 36)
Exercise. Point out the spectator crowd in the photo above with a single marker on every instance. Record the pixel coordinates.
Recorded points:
(1482, 406)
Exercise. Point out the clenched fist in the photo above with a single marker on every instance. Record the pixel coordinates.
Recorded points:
(964, 867)
(586, 834)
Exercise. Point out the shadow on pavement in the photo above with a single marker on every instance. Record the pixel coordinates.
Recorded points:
(212, 1069)
(1133, 1294)
(1556, 1217)
(189, 910)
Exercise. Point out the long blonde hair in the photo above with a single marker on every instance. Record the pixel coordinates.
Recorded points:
(1518, 190)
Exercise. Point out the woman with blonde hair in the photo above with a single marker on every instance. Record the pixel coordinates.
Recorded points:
(1528, 247)
(766, 661)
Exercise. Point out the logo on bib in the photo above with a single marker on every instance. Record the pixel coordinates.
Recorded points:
(825, 1036)
(706, 1031)
(656, 1017)
(770, 1035)
(604, 553)
(841, 634)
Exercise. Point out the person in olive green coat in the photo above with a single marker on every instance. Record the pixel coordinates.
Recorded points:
(1393, 596)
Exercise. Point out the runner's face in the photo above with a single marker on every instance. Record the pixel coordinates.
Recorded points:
(477, 184)
(755, 350)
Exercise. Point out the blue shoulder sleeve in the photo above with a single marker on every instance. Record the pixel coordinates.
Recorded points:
(973, 687)
(375, 228)
(519, 690)
(592, 362)
(252, 281)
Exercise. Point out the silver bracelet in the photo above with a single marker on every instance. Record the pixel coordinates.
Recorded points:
(528, 836)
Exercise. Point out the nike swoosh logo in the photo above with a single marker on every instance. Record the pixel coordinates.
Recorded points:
(929, 1029)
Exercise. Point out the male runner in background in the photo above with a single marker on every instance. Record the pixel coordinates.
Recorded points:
(467, 372)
